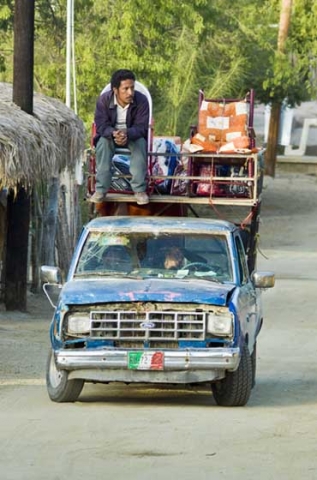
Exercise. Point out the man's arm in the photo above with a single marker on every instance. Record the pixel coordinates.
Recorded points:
(140, 121)
(103, 118)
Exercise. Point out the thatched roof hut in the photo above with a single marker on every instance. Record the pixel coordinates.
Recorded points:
(37, 147)
(34, 150)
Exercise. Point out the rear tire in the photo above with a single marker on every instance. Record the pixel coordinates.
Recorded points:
(59, 388)
(235, 389)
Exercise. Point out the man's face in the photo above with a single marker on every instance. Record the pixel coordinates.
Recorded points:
(125, 92)
(171, 263)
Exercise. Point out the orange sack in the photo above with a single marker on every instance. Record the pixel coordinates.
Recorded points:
(221, 122)
(205, 143)
(241, 142)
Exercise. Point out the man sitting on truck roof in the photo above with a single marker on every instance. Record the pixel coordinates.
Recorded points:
(122, 120)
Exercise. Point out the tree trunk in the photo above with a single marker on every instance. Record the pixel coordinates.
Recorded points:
(285, 20)
(272, 142)
(18, 211)
(64, 240)
(36, 240)
(23, 61)
(271, 152)
(3, 241)
(50, 223)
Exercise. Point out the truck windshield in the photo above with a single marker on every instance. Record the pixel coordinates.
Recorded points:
(162, 255)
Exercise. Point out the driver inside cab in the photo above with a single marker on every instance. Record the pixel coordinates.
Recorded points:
(174, 259)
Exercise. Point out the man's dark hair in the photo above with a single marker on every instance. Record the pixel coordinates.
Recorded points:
(119, 76)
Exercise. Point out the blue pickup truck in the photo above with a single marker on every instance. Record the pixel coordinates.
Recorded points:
(157, 300)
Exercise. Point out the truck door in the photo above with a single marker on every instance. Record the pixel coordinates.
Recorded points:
(247, 296)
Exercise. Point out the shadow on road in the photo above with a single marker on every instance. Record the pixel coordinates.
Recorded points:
(267, 393)
(146, 395)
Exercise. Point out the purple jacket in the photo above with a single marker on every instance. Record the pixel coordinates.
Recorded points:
(137, 116)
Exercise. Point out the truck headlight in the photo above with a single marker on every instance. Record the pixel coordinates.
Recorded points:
(78, 324)
(220, 324)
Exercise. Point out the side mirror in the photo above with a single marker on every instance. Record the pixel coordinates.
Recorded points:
(263, 279)
(51, 275)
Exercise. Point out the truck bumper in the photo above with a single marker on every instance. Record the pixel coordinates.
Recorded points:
(179, 366)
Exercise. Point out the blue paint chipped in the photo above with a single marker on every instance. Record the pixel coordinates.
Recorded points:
(108, 290)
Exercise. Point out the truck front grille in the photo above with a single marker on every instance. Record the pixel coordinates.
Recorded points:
(154, 326)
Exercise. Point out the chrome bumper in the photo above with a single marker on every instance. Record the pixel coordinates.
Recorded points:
(180, 366)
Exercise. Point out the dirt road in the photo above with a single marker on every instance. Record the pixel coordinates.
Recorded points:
(143, 433)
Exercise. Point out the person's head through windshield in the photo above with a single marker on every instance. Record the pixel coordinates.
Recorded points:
(117, 258)
(174, 259)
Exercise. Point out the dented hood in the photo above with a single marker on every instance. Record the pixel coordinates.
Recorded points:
(97, 291)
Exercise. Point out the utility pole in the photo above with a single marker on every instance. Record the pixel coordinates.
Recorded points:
(68, 51)
(271, 151)
(70, 57)
(67, 181)
(18, 206)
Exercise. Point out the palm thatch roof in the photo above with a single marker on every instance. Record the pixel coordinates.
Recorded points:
(37, 147)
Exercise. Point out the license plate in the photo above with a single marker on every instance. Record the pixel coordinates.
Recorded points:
(146, 360)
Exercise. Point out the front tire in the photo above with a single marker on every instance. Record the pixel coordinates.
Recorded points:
(59, 388)
(253, 363)
(235, 389)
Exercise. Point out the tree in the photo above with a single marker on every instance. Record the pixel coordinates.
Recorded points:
(224, 47)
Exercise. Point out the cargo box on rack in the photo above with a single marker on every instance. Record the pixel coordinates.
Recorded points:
(225, 181)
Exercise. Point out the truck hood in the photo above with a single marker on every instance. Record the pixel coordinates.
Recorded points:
(94, 291)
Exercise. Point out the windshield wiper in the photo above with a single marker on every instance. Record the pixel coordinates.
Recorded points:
(107, 274)
(210, 279)
(205, 276)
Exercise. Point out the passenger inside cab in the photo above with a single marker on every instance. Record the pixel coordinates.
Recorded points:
(117, 258)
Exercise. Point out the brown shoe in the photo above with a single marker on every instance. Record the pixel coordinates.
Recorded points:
(141, 198)
(97, 197)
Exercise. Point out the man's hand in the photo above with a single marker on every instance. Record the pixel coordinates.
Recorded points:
(120, 137)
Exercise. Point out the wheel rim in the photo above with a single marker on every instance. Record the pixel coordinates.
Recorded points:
(55, 375)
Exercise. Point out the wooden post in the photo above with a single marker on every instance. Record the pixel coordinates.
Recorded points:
(18, 209)
(23, 58)
(18, 212)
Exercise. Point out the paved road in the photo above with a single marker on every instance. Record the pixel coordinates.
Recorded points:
(120, 432)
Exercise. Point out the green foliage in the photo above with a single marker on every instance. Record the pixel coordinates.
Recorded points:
(6, 14)
(289, 74)
(175, 48)
(6, 26)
